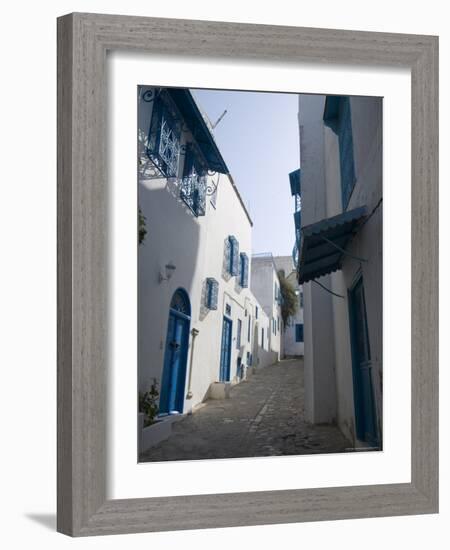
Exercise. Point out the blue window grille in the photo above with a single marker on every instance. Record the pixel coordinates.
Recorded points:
(256, 312)
(227, 309)
(212, 293)
(249, 331)
(243, 272)
(299, 332)
(232, 255)
(193, 184)
(301, 299)
(163, 146)
(298, 225)
(238, 335)
(278, 323)
(262, 338)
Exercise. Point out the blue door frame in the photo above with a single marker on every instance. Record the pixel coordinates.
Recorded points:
(365, 414)
(175, 358)
(225, 350)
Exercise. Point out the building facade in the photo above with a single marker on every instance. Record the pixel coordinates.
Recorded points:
(265, 286)
(293, 331)
(199, 323)
(340, 262)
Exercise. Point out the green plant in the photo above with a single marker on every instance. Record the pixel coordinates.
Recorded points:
(289, 302)
(148, 403)
(142, 226)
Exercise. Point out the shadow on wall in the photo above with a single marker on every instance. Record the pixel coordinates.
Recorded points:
(173, 235)
(204, 311)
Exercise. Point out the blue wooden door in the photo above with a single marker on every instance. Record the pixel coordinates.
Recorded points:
(225, 350)
(365, 415)
(175, 363)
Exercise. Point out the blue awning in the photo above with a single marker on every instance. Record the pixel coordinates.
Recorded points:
(323, 243)
(199, 129)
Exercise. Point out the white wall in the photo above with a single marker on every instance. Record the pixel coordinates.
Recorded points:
(29, 506)
(366, 116)
(320, 384)
(264, 280)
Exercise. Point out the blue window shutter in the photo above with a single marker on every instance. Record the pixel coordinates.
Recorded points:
(234, 255)
(256, 312)
(249, 327)
(238, 336)
(243, 275)
(299, 333)
(212, 293)
(227, 254)
(294, 179)
(346, 158)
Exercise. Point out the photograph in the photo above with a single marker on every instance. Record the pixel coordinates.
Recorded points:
(260, 273)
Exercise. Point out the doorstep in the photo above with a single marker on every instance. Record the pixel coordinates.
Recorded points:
(150, 436)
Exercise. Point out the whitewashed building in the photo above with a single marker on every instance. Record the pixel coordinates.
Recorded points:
(200, 326)
(265, 286)
(293, 331)
(340, 262)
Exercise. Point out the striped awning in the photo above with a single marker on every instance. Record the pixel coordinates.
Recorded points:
(323, 244)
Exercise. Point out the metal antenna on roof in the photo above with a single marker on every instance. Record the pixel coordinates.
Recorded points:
(219, 119)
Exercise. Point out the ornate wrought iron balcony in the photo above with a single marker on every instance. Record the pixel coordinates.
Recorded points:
(193, 190)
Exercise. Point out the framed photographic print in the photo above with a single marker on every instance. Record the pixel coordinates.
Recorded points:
(247, 274)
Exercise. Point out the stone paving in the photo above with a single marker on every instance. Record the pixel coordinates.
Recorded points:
(264, 416)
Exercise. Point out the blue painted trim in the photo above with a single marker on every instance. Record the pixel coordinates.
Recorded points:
(225, 350)
(364, 404)
(173, 378)
(299, 336)
(294, 180)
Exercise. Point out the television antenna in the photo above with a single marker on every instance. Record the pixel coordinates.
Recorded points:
(219, 119)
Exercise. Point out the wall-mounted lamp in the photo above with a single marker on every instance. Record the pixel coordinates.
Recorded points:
(169, 269)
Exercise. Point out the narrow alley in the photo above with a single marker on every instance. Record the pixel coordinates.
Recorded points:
(264, 416)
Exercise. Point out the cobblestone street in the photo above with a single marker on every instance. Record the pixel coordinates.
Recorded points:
(263, 416)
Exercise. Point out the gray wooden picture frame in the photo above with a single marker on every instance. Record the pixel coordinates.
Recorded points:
(83, 41)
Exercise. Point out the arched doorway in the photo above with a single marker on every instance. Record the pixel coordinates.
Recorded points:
(175, 358)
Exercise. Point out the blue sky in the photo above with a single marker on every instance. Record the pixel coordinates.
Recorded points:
(259, 140)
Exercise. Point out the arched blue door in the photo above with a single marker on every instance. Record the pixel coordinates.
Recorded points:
(175, 357)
